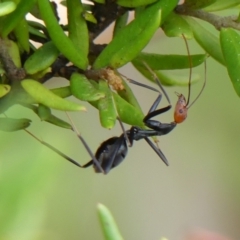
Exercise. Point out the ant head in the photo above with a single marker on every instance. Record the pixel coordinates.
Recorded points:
(180, 112)
(182, 105)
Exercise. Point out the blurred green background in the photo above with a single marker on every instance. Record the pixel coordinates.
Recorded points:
(42, 196)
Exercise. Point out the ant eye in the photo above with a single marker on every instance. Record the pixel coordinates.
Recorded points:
(180, 111)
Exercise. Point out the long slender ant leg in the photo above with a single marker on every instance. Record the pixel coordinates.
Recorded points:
(130, 142)
(157, 81)
(158, 151)
(55, 150)
(95, 161)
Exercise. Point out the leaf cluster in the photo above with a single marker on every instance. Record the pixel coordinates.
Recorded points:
(31, 53)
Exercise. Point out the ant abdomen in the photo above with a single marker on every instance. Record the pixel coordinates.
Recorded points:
(114, 149)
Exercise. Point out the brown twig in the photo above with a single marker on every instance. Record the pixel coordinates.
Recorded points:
(217, 21)
(12, 72)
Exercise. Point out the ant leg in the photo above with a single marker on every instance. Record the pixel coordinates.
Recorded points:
(94, 160)
(57, 151)
(152, 111)
(158, 151)
(124, 132)
(157, 81)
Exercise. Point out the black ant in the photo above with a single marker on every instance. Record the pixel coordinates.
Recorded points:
(114, 150)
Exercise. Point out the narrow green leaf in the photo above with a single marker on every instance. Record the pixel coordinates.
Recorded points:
(167, 79)
(11, 124)
(208, 41)
(13, 52)
(176, 26)
(82, 89)
(43, 112)
(4, 89)
(222, 4)
(166, 6)
(58, 122)
(134, 3)
(7, 7)
(47, 116)
(22, 34)
(12, 19)
(89, 17)
(44, 96)
(127, 112)
(36, 32)
(62, 42)
(231, 51)
(120, 23)
(168, 62)
(107, 112)
(108, 224)
(128, 95)
(130, 40)
(62, 92)
(77, 27)
(43, 58)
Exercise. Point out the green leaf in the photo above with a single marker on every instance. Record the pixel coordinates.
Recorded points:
(43, 58)
(43, 112)
(130, 40)
(13, 52)
(176, 26)
(11, 124)
(168, 62)
(120, 23)
(128, 95)
(62, 92)
(13, 19)
(58, 122)
(127, 112)
(208, 41)
(62, 42)
(36, 32)
(44, 96)
(77, 27)
(109, 226)
(134, 3)
(4, 89)
(89, 17)
(45, 115)
(107, 112)
(166, 6)
(7, 7)
(231, 51)
(82, 89)
(168, 79)
(22, 34)
(222, 4)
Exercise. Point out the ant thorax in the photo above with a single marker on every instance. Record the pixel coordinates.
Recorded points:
(180, 113)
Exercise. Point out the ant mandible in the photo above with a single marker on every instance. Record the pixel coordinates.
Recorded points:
(114, 150)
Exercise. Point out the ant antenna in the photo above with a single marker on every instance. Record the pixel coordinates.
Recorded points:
(182, 106)
(190, 69)
(190, 76)
(204, 84)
